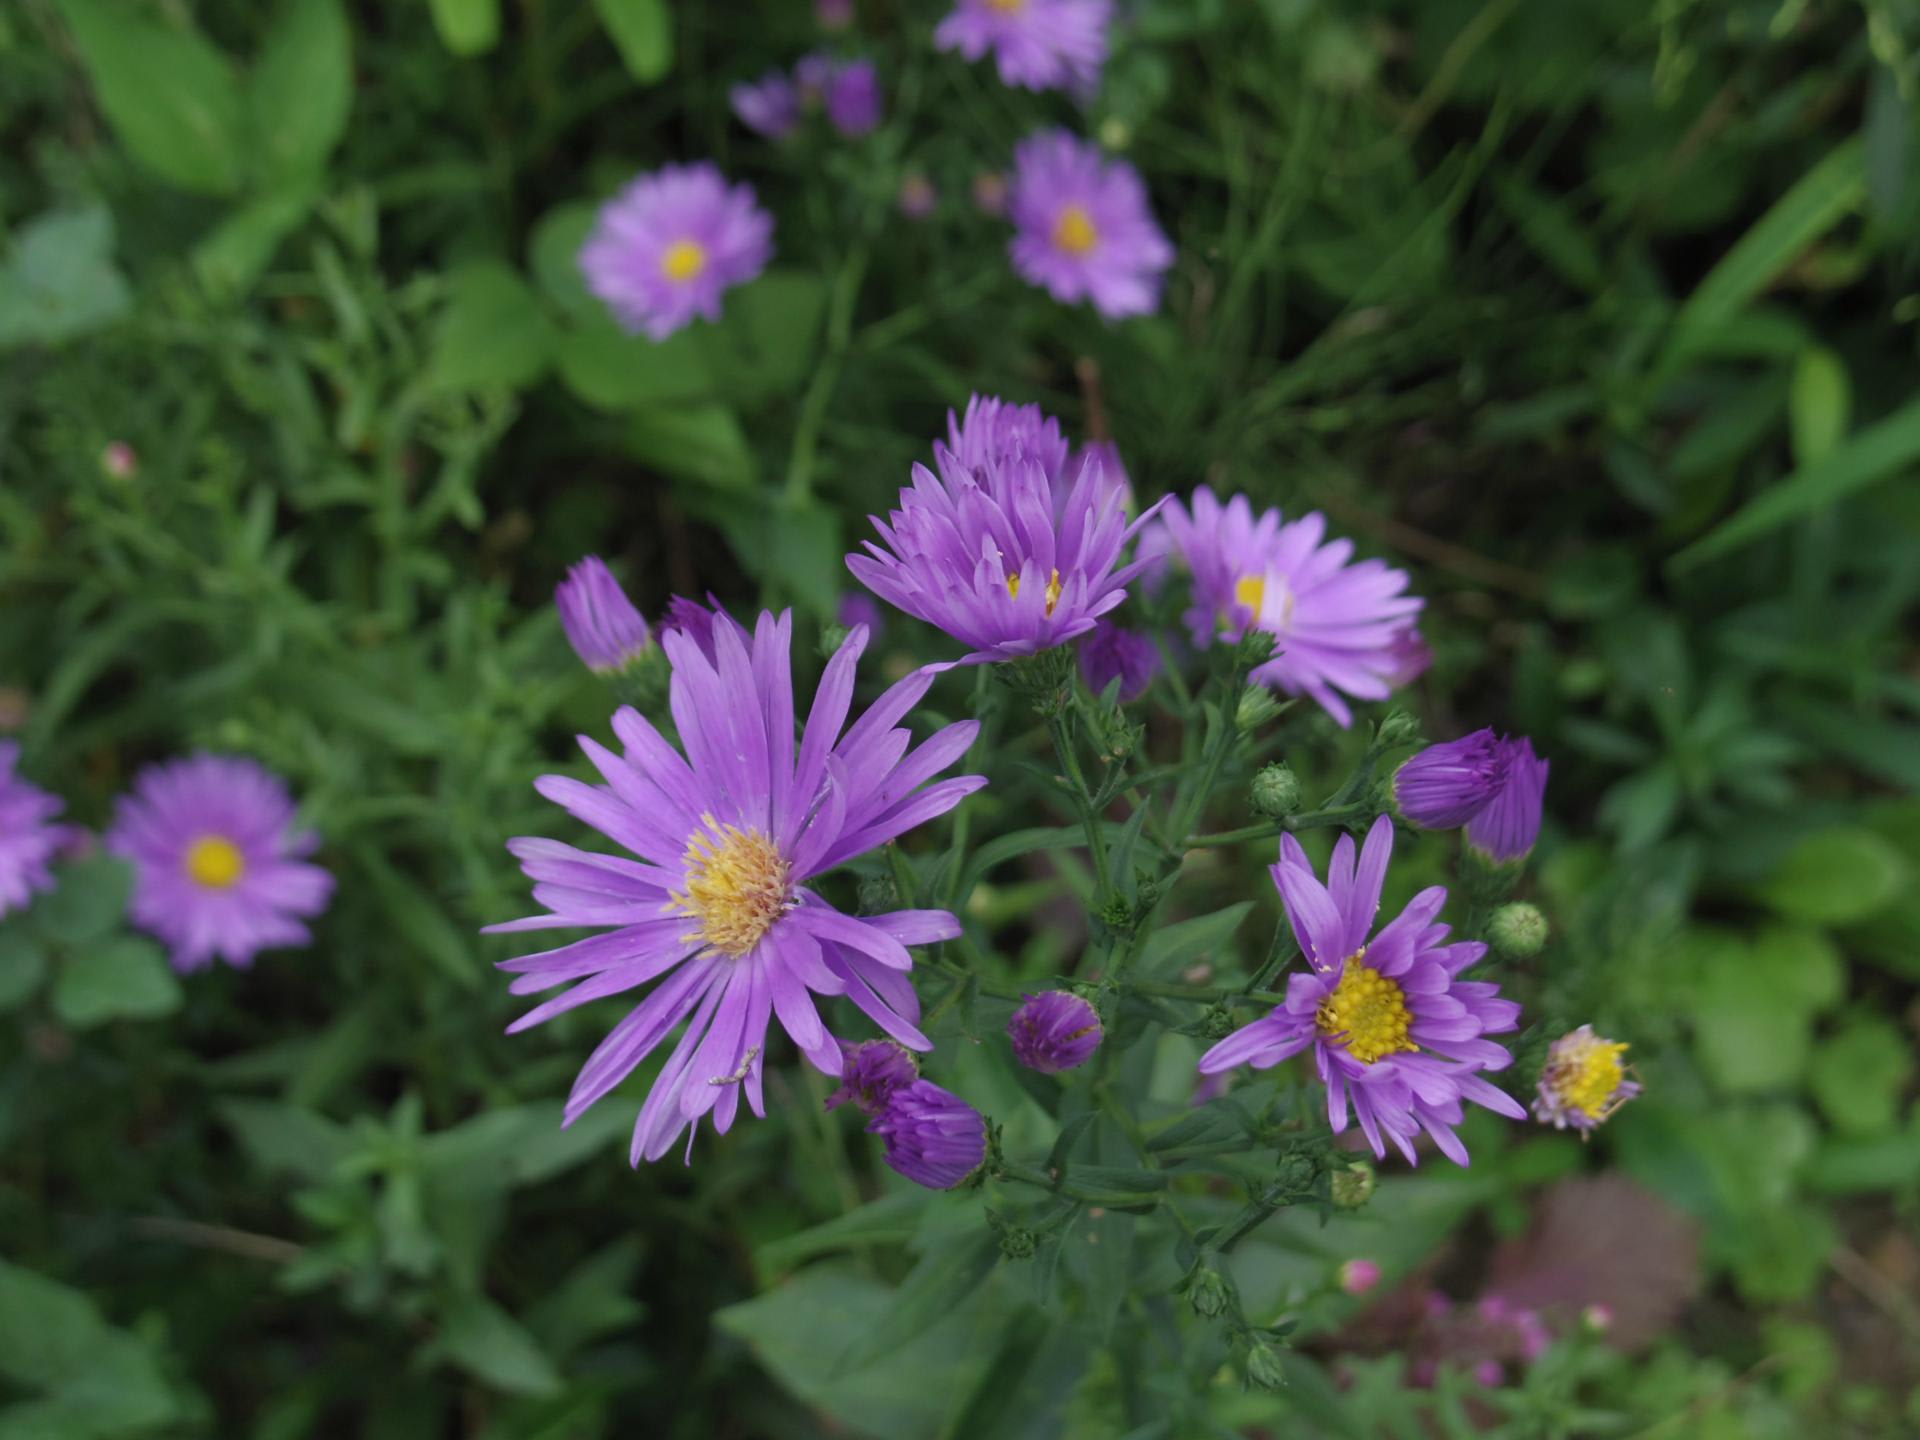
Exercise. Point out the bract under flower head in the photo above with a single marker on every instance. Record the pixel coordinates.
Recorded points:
(1338, 624)
(1037, 44)
(1397, 1037)
(1083, 229)
(714, 902)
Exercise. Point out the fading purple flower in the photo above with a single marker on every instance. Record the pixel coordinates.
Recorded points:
(833, 14)
(1083, 227)
(218, 867)
(769, 106)
(1410, 657)
(1395, 1034)
(932, 1136)
(870, 1071)
(853, 98)
(666, 248)
(1584, 1081)
(990, 193)
(1054, 1031)
(1110, 651)
(1335, 624)
(918, 199)
(1037, 44)
(29, 838)
(1494, 786)
(991, 554)
(716, 906)
(602, 625)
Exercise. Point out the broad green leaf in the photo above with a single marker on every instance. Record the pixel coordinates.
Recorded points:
(59, 280)
(520, 1145)
(87, 900)
(1779, 1252)
(98, 1380)
(1876, 453)
(288, 1139)
(494, 1348)
(172, 98)
(642, 31)
(553, 254)
(597, 1298)
(125, 978)
(231, 257)
(768, 335)
(23, 964)
(1860, 1073)
(493, 334)
(301, 89)
(1172, 947)
(612, 370)
(1848, 1165)
(892, 1219)
(1835, 876)
(467, 27)
(946, 1275)
(701, 442)
(1819, 403)
(1751, 1045)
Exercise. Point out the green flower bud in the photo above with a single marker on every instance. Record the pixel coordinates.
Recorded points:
(878, 895)
(1257, 707)
(1399, 728)
(1207, 1292)
(1293, 1177)
(1254, 650)
(1216, 1022)
(1017, 1243)
(1276, 792)
(832, 636)
(1353, 1186)
(1264, 1368)
(1518, 930)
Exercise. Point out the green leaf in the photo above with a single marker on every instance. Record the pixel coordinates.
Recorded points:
(1565, 243)
(125, 978)
(493, 1347)
(1173, 947)
(642, 31)
(553, 254)
(60, 281)
(87, 901)
(614, 371)
(768, 335)
(519, 1145)
(231, 257)
(701, 442)
(23, 964)
(1780, 1251)
(98, 1380)
(1859, 1074)
(1844, 1165)
(1819, 403)
(420, 922)
(493, 334)
(945, 1276)
(287, 1139)
(301, 90)
(1836, 876)
(890, 1220)
(467, 27)
(172, 98)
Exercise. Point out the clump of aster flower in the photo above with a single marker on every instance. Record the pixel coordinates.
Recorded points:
(994, 431)
(666, 248)
(1584, 1082)
(1338, 624)
(931, 1136)
(1397, 1037)
(29, 838)
(1083, 229)
(990, 551)
(870, 1071)
(848, 90)
(1036, 44)
(606, 631)
(1494, 786)
(220, 869)
(1054, 1031)
(716, 904)
(1112, 652)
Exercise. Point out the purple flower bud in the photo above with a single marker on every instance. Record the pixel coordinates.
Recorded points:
(1054, 1031)
(853, 98)
(769, 106)
(932, 1136)
(1357, 1277)
(603, 627)
(870, 1072)
(1494, 786)
(1110, 651)
(697, 621)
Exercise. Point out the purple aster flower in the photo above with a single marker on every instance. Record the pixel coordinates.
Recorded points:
(1396, 1036)
(769, 106)
(29, 839)
(218, 867)
(606, 632)
(988, 553)
(856, 607)
(1584, 1081)
(1494, 786)
(1113, 470)
(667, 247)
(870, 1071)
(1083, 228)
(1336, 625)
(1054, 1031)
(716, 905)
(1109, 651)
(932, 1136)
(1411, 657)
(853, 98)
(1037, 44)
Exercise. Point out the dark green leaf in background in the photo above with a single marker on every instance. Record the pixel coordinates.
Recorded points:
(301, 90)
(642, 31)
(58, 280)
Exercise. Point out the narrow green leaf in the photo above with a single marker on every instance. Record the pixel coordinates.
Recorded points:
(420, 922)
(891, 1220)
(1819, 404)
(231, 257)
(1175, 946)
(496, 1349)
(287, 1139)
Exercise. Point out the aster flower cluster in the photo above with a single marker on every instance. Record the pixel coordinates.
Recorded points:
(848, 91)
(1035, 44)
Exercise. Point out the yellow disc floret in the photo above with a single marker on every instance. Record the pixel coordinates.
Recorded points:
(1251, 591)
(1007, 7)
(1366, 1014)
(683, 260)
(1585, 1073)
(1074, 232)
(215, 862)
(736, 886)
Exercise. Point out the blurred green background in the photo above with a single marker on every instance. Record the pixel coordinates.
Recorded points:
(1600, 317)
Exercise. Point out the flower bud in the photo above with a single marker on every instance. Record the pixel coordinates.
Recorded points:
(1276, 791)
(1054, 1031)
(1399, 728)
(1207, 1292)
(1216, 1021)
(1597, 1318)
(1353, 1186)
(1357, 1277)
(1518, 931)
(1254, 649)
(1257, 706)
(931, 1135)
(832, 636)
(1293, 1177)
(1264, 1368)
(1017, 1243)
(878, 894)
(119, 461)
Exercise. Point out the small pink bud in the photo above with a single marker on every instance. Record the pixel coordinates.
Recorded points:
(119, 460)
(1598, 1318)
(990, 193)
(1357, 1277)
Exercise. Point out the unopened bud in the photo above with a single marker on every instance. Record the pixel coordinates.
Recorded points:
(1254, 650)
(1276, 790)
(1264, 1368)
(1399, 728)
(1597, 1318)
(1353, 1186)
(1216, 1022)
(1207, 1292)
(1017, 1243)
(1357, 1277)
(832, 636)
(1256, 708)
(1518, 930)
(1294, 1176)
(878, 895)
(119, 461)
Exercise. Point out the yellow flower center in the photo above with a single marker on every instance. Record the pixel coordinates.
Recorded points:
(1007, 7)
(215, 862)
(736, 886)
(1251, 591)
(1367, 1013)
(683, 260)
(1073, 232)
(1053, 589)
(1584, 1073)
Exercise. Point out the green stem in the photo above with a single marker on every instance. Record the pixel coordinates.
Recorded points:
(1060, 732)
(1267, 830)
